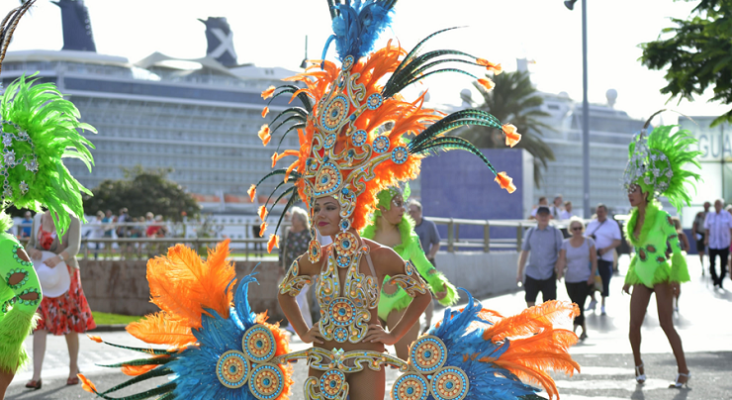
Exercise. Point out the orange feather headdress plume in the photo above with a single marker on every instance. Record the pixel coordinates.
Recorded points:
(353, 129)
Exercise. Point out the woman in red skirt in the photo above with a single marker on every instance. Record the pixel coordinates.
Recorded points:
(69, 313)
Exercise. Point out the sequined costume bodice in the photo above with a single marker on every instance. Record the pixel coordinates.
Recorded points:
(344, 313)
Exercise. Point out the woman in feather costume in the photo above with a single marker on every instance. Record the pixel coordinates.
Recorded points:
(346, 156)
(655, 169)
(38, 128)
(392, 227)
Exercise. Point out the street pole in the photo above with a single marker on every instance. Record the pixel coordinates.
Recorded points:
(585, 120)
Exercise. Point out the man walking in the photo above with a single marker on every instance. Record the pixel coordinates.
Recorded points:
(426, 230)
(606, 234)
(429, 239)
(718, 225)
(698, 232)
(541, 247)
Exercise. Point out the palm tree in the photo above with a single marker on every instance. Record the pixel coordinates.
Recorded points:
(514, 101)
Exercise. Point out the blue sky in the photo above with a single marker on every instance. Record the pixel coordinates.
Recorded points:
(271, 33)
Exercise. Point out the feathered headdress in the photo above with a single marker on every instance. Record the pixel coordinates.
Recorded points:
(656, 163)
(352, 127)
(38, 128)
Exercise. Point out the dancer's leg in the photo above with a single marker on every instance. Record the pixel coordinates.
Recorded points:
(664, 299)
(639, 300)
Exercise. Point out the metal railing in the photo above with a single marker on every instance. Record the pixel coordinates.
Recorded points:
(146, 248)
(486, 244)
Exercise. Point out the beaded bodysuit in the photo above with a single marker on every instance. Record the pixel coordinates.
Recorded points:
(346, 316)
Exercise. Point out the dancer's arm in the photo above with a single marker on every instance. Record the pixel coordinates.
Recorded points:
(406, 276)
(445, 292)
(298, 276)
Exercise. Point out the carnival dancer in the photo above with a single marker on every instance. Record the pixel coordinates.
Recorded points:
(392, 227)
(656, 169)
(351, 129)
(38, 128)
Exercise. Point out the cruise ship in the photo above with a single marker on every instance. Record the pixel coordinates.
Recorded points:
(610, 132)
(198, 117)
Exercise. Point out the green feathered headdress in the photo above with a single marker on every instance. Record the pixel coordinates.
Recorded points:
(656, 164)
(39, 128)
(384, 197)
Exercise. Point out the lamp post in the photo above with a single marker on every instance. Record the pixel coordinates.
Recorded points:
(585, 114)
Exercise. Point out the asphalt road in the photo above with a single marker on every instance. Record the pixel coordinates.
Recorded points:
(607, 366)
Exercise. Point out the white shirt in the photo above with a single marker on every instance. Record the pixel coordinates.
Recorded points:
(718, 226)
(565, 215)
(604, 234)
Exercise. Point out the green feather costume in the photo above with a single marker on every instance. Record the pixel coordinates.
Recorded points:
(410, 249)
(656, 164)
(39, 128)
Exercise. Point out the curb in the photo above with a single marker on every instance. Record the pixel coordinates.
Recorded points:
(109, 328)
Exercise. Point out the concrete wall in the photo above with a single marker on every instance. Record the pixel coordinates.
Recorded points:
(482, 274)
(121, 287)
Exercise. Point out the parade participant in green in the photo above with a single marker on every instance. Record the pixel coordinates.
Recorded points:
(394, 228)
(655, 169)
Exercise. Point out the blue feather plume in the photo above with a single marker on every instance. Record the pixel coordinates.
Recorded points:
(357, 25)
(462, 333)
(216, 336)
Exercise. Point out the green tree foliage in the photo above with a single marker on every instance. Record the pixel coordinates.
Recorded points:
(698, 55)
(140, 192)
(513, 100)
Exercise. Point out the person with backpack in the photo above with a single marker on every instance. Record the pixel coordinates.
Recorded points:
(541, 247)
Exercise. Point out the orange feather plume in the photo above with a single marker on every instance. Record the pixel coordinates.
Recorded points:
(506, 182)
(252, 192)
(159, 328)
(267, 93)
(536, 345)
(262, 228)
(512, 136)
(182, 285)
(274, 241)
(265, 111)
(86, 384)
(264, 134)
(487, 84)
(95, 338)
(136, 370)
(262, 211)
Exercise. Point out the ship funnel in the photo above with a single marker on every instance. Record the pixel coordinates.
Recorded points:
(220, 40)
(76, 26)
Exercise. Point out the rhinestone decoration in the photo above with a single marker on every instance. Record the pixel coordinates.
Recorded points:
(374, 101)
(359, 138)
(334, 113)
(330, 141)
(342, 311)
(344, 261)
(346, 243)
(232, 369)
(259, 344)
(410, 387)
(450, 383)
(428, 354)
(327, 180)
(10, 158)
(347, 63)
(314, 250)
(381, 144)
(331, 384)
(651, 165)
(266, 382)
(399, 155)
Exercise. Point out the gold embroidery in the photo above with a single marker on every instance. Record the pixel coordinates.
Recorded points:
(346, 317)
(293, 283)
(410, 281)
